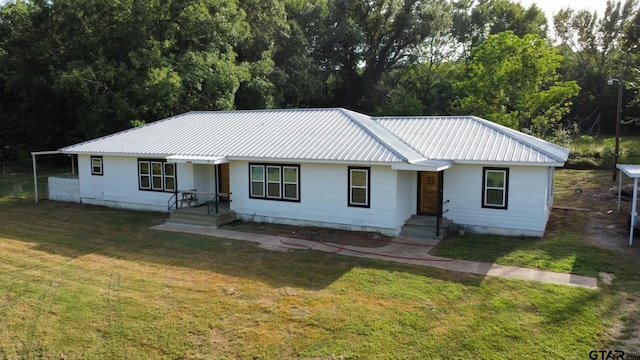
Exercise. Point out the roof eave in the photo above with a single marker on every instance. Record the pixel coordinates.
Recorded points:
(316, 161)
(510, 163)
(124, 154)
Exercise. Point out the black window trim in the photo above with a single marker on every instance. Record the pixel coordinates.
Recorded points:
(506, 187)
(281, 182)
(97, 173)
(349, 186)
(163, 163)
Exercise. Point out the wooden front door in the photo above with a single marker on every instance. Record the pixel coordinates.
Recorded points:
(223, 180)
(429, 190)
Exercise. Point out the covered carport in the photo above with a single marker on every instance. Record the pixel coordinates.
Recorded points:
(632, 171)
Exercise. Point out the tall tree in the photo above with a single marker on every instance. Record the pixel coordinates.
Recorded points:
(267, 20)
(297, 75)
(364, 40)
(75, 69)
(474, 23)
(593, 49)
(513, 81)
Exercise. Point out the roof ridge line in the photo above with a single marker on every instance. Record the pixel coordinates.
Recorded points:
(505, 131)
(370, 130)
(377, 119)
(264, 110)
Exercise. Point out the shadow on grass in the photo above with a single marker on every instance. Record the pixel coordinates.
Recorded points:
(74, 230)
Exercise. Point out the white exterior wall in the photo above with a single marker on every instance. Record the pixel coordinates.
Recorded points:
(324, 191)
(323, 199)
(407, 196)
(203, 178)
(550, 190)
(118, 187)
(527, 208)
(64, 188)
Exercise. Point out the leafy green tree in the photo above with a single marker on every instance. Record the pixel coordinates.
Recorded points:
(76, 69)
(267, 20)
(513, 81)
(421, 89)
(365, 40)
(297, 75)
(593, 39)
(474, 23)
(28, 51)
(401, 102)
(594, 48)
(630, 45)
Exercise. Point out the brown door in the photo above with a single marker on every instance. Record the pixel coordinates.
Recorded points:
(223, 177)
(429, 189)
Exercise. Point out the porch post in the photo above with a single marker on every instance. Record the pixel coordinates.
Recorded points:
(215, 175)
(440, 200)
(35, 176)
(633, 209)
(619, 188)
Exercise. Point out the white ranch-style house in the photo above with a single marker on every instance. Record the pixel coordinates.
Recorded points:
(324, 167)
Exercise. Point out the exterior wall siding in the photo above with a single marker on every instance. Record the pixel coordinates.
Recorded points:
(407, 196)
(324, 196)
(527, 211)
(64, 189)
(203, 178)
(323, 199)
(118, 186)
(549, 189)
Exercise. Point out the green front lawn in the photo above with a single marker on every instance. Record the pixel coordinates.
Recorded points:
(97, 283)
(559, 252)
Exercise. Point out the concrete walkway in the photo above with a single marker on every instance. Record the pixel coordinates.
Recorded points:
(405, 250)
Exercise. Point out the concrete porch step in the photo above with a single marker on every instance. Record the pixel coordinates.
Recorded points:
(425, 227)
(200, 218)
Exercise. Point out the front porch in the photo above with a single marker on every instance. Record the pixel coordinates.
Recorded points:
(202, 216)
(430, 227)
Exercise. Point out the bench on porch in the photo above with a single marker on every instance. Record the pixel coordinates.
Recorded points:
(190, 197)
(195, 198)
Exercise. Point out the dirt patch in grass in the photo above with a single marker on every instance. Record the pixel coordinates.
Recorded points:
(586, 204)
(626, 332)
(344, 237)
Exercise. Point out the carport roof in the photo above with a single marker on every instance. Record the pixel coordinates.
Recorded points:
(632, 171)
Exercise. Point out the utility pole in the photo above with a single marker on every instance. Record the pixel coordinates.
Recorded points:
(620, 82)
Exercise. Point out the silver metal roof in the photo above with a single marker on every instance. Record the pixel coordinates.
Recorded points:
(305, 134)
(471, 139)
(324, 135)
(632, 171)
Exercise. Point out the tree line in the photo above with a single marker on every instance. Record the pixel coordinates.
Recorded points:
(71, 70)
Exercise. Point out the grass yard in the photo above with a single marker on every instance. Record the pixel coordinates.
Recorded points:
(96, 283)
(568, 247)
